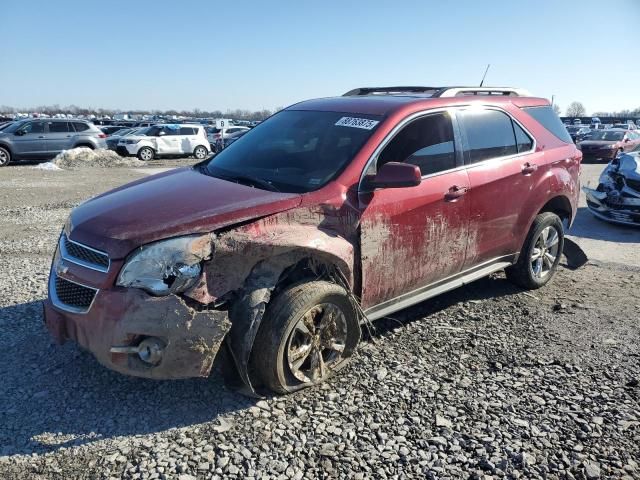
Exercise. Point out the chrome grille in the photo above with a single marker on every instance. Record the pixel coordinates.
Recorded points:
(70, 295)
(83, 255)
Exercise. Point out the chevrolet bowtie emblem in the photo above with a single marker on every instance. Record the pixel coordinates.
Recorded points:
(61, 268)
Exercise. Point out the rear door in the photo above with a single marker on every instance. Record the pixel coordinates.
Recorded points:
(503, 167)
(31, 142)
(59, 136)
(413, 237)
(188, 140)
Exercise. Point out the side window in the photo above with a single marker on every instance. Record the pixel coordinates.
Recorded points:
(58, 127)
(34, 127)
(80, 127)
(523, 140)
(427, 142)
(489, 134)
(187, 131)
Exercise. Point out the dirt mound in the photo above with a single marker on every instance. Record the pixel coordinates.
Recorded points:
(85, 157)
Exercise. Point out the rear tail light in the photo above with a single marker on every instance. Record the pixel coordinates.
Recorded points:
(102, 135)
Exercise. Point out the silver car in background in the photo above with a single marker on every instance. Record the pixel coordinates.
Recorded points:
(41, 139)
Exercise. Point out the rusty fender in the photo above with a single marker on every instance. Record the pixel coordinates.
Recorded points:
(247, 264)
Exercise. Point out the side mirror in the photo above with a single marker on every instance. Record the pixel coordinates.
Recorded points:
(19, 133)
(161, 133)
(396, 175)
(627, 140)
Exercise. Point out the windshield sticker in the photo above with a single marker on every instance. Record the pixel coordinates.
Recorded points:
(363, 123)
(315, 181)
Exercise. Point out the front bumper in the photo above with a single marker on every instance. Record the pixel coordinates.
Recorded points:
(120, 318)
(126, 150)
(625, 211)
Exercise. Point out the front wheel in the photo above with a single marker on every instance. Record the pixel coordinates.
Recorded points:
(200, 152)
(145, 154)
(308, 333)
(5, 157)
(540, 253)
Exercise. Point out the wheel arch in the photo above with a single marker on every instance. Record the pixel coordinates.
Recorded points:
(560, 205)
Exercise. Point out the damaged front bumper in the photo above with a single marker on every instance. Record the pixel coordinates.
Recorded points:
(613, 206)
(176, 340)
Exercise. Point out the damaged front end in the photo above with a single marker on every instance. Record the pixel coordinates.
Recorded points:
(617, 197)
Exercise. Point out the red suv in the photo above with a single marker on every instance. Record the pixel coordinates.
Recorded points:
(330, 212)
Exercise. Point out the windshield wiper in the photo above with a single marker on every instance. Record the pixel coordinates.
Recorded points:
(248, 179)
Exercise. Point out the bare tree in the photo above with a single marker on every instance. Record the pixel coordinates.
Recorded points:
(576, 109)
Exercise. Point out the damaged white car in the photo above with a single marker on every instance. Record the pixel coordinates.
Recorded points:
(617, 196)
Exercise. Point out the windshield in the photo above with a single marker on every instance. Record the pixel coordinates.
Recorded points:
(294, 151)
(5, 125)
(15, 126)
(608, 135)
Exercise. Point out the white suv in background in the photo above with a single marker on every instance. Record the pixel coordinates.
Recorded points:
(167, 140)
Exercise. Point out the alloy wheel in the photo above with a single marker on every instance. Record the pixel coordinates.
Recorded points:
(316, 343)
(545, 252)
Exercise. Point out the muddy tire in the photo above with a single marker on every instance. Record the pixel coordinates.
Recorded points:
(5, 157)
(309, 332)
(145, 154)
(200, 152)
(540, 253)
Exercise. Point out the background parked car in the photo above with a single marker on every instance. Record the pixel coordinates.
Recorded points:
(166, 140)
(578, 133)
(45, 138)
(112, 140)
(607, 144)
(229, 139)
(213, 133)
(111, 129)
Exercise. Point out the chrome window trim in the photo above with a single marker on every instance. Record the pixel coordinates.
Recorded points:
(452, 111)
(71, 259)
(53, 295)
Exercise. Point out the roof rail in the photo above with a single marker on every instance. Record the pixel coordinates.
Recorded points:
(463, 91)
(440, 91)
(383, 90)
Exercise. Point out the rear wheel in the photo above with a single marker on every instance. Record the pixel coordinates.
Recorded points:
(308, 333)
(200, 152)
(145, 154)
(5, 157)
(540, 253)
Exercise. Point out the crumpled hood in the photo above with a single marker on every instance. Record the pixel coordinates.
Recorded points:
(178, 202)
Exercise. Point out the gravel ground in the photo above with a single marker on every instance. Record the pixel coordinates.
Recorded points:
(483, 382)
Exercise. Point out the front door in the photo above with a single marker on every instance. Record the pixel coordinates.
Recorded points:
(29, 141)
(412, 237)
(167, 141)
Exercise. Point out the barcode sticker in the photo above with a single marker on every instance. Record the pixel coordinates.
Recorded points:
(363, 123)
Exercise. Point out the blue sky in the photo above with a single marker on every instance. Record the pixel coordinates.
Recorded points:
(246, 54)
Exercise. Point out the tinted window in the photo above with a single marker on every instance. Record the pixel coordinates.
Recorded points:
(294, 150)
(523, 140)
(489, 134)
(80, 127)
(34, 127)
(426, 142)
(187, 131)
(549, 120)
(58, 127)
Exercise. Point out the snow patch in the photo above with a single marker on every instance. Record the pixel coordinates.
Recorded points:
(85, 157)
(47, 166)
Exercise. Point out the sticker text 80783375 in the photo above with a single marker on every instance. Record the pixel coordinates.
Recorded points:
(363, 123)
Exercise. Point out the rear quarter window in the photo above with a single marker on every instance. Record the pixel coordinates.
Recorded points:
(549, 120)
(80, 127)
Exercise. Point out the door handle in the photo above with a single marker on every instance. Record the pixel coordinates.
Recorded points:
(455, 192)
(529, 168)
(42, 136)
